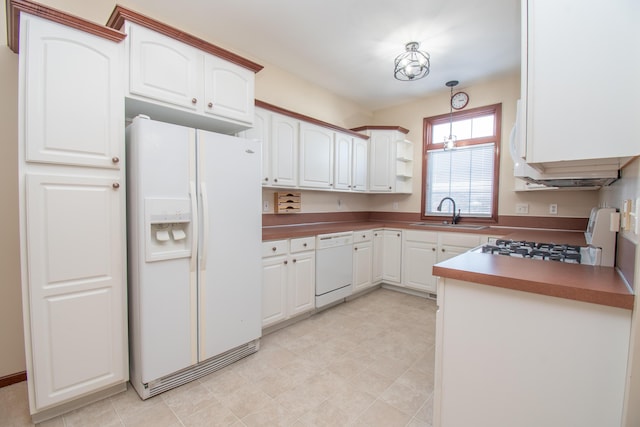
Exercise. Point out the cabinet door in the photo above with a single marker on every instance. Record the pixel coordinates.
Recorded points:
(392, 260)
(165, 69)
(418, 259)
(261, 132)
(302, 273)
(77, 291)
(73, 97)
(360, 165)
(342, 178)
(561, 29)
(447, 252)
(274, 290)
(284, 151)
(228, 90)
(316, 157)
(362, 265)
(380, 161)
(378, 256)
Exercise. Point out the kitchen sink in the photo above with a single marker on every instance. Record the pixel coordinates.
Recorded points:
(453, 226)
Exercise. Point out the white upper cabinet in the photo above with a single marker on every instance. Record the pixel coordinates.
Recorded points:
(228, 90)
(284, 150)
(580, 80)
(164, 72)
(360, 159)
(316, 156)
(343, 163)
(381, 161)
(73, 101)
(261, 131)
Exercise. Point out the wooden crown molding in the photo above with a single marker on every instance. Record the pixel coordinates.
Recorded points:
(15, 7)
(121, 14)
(299, 116)
(368, 127)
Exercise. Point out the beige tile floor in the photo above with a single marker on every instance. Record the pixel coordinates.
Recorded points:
(367, 362)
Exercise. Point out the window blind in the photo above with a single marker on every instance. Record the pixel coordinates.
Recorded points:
(466, 175)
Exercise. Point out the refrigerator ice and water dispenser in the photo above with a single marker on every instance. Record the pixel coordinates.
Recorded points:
(168, 228)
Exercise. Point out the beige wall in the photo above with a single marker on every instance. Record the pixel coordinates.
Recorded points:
(11, 339)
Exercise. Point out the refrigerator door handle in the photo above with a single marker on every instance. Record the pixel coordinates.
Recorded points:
(194, 216)
(205, 226)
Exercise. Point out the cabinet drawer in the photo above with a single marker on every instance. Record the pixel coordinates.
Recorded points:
(460, 239)
(421, 236)
(362, 236)
(274, 247)
(303, 244)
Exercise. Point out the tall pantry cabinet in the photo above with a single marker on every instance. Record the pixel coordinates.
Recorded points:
(72, 215)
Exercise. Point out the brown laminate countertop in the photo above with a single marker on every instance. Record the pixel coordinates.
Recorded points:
(598, 285)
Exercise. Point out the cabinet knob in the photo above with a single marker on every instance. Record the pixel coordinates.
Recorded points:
(294, 260)
(115, 159)
(355, 248)
(273, 249)
(330, 184)
(389, 187)
(364, 236)
(266, 178)
(275, 180)
(433, 249)
(115, 185)
(375, 234)
(286, 262)
(442, 249)
(398, 234)
(194, 101)
(304, 244)
(210, 105)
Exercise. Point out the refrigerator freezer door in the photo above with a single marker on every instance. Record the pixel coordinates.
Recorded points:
(229, 173)
(163, 293)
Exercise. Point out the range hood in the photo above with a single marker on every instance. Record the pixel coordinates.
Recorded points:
(575, 175)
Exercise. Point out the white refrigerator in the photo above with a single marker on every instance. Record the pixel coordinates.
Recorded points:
(194, 233)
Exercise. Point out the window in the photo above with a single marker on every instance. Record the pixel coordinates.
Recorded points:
(469, 173)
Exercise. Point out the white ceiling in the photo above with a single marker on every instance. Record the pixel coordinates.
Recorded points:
(348, 46)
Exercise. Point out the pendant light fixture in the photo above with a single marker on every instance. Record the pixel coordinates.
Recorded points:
(413, 64)
(450, 142)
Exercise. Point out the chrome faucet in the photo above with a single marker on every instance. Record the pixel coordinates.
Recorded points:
(455, 218)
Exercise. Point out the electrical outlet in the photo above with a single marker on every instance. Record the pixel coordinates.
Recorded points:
(265, 206)
(522, 208)
(553, 209)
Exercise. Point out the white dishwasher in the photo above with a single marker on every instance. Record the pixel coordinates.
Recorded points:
(334, 267)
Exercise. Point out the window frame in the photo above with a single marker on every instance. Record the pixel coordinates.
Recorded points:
(428, 144)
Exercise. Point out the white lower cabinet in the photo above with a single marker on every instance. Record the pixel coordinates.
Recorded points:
(288, 279)
(362, 260)
(452, 244)
(419, 254)
(392, 258)
(74, 244)
(378, 255)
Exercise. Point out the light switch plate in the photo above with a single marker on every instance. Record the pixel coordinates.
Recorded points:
(553, 209)
(522, 208)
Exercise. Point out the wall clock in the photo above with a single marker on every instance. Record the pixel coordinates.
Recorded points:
(459, 100)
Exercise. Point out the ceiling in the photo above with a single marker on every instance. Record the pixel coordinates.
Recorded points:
(348, 46)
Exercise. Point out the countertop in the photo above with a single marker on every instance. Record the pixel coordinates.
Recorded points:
(598, 285)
